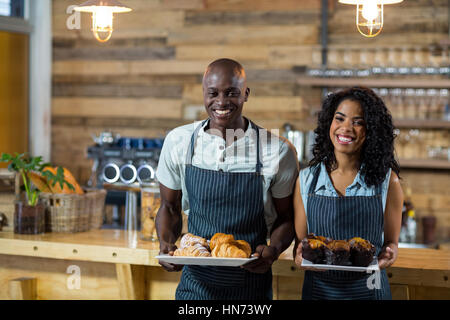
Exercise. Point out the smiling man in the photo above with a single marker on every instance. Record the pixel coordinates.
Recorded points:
(229, 176)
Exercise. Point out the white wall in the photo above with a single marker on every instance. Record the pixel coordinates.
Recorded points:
(40, 77)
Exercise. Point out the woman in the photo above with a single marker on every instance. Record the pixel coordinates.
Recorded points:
(351, 189)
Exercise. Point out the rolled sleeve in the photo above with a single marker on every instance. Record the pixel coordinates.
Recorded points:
(284, 180)
(168, 171)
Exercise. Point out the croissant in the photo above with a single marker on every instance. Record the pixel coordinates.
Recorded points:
(196, 250)
(244, 245)
(219, 238)
(228, 250)
(189, 240)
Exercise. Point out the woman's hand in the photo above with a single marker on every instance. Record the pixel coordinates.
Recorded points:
(299, 258)
(387, 256)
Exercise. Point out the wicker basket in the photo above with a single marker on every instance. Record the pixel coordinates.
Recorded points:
(96, 200)
(72, 213)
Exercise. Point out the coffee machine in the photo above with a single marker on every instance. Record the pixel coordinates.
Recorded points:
(122, 165)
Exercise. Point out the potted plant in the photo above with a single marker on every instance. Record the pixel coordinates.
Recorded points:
(29, 214)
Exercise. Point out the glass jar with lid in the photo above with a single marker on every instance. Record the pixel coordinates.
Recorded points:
(150, 203)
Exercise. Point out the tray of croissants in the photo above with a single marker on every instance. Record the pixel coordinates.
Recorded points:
(324, 253)
(221, 250)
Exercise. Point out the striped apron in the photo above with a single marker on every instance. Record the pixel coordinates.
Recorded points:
(229, 203)
(344, 218)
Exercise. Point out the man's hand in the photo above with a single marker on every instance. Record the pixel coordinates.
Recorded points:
(169, 249)
(267, 255)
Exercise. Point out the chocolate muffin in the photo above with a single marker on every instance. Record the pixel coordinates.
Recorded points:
(313, 250)
(337, 252)
(321, 238)
(361, 252)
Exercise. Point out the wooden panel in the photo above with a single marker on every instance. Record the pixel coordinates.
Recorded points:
(22, 288)
(162, 284)
(13, 93)
(262, 5)
(98, 107)
(400, 292)
(307, 34)
(132, 282)
(211, 52)
(253, 18)
(98, 280)
(123, 68)
(116, 90)
(281, 56)
(429, 293)
(106, 53)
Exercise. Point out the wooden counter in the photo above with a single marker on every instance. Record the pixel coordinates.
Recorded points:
(115, 264)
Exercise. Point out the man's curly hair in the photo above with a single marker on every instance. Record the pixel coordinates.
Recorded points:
(377, 152)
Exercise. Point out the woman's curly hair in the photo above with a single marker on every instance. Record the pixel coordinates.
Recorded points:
(377, 153)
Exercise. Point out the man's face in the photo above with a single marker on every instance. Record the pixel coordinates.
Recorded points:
(224, 94)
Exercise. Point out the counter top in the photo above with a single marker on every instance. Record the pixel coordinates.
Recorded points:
(119, 246)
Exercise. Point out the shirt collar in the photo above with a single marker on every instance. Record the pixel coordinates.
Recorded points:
(324, 180)
(248, 132)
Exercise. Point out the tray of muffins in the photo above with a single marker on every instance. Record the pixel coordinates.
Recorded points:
(221, 250)
(322, 253)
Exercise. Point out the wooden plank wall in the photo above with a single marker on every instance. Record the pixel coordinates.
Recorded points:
(147, 79)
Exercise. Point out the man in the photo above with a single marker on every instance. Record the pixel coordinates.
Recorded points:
(232, 177)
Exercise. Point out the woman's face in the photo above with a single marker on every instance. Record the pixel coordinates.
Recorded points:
(348, 128)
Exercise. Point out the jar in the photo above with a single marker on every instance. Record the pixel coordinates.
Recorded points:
(150, 203)
(29, 219)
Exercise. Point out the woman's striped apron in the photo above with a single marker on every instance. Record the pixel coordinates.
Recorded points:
(344, 218)
(229, 203)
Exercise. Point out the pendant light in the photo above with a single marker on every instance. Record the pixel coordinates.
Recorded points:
(369, 15)
(102, 16)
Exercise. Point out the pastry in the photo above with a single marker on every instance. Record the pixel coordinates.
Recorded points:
(361, 252)
(196, 250)
(337, 252)
(220, 238)
(313, 250)
(321, 238)
(228, 250)
(189, 240)
(244, 245)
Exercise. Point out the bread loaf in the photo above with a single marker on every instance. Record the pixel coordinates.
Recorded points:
(228, 250)
(189, 240)
(219, 238)
(196, 250)
(69, 178)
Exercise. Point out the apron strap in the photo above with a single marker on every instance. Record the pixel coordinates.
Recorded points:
(191, 147)
(190, 151)
(313, 184)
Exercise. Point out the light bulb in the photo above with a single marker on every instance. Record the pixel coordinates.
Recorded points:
(369, 15)
(370, 10)
(102, 23)
(102, 16)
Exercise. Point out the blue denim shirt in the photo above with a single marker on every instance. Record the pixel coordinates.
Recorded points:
(324, 186)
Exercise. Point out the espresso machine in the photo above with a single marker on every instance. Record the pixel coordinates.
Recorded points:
(121, 166)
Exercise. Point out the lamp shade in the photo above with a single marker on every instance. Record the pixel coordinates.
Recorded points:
(113, 5)
(355, 2)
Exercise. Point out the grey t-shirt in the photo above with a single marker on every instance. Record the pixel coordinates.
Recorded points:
(280, 166)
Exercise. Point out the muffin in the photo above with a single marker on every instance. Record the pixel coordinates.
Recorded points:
(321, 238)
(337, 252)
(361, 252)
(313, 250)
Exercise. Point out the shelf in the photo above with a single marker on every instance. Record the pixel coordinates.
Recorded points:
(422, 124)
(404, 82)
(424, 164)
